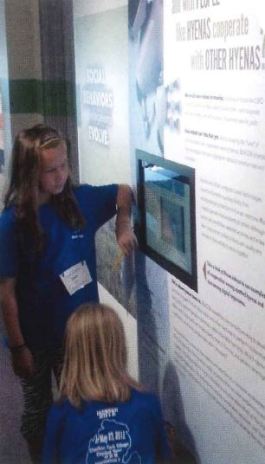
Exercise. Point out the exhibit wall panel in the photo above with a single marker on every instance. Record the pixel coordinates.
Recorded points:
(197, 99)
(101, 67)
(102, 95)
(214, 80)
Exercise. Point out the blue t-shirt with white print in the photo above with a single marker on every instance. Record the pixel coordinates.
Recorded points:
(130, 432)
(50, 287)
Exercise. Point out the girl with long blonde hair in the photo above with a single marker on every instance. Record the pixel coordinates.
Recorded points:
(48, 261)
(102, 415)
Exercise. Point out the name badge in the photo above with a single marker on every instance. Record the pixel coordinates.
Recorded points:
(76, 277)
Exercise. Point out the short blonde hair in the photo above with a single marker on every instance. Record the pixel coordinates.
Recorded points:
(95, 360)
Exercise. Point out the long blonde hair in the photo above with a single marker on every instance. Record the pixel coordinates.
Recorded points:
(95, 360)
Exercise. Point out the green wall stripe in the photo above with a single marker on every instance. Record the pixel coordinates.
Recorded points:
(50, 98)
(25, 96)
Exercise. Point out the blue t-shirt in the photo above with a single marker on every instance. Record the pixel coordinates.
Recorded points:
(50, 287)
(131, 432)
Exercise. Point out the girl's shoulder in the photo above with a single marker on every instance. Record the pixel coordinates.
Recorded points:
(95, 194)
(144, 395)
(86, 189)
(83, 191)
(62, 404)
(61, 409)
(147, 399)
(80, 188)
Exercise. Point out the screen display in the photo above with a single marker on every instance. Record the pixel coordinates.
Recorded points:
(167, 214)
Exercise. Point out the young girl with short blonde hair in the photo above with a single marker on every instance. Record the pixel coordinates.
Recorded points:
(103, 415)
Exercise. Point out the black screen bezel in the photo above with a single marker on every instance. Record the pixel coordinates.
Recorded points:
(188, 176)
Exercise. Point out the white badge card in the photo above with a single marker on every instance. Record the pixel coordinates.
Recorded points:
(76, 277)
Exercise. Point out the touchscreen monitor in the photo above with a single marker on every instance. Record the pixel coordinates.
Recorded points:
(166, 224)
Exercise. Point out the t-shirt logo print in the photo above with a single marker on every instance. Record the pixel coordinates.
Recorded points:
(112, 444)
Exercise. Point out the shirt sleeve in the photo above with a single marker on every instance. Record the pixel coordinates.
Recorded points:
(97, 203)
(8, 245)
(105, 203)
(50, 454)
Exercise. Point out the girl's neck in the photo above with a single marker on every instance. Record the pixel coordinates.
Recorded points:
(43, 198)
